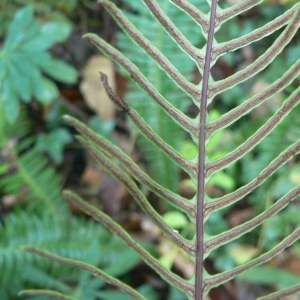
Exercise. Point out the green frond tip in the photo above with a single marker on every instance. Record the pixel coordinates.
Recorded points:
(87, 35)
(46, 293)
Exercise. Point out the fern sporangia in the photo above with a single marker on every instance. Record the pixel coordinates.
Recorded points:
(200, 129)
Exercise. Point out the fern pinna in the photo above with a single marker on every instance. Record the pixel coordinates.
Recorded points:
(201, 129)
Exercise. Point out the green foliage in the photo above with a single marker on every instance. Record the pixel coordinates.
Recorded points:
(103, 127)
(53, 143)
(28, 175)
(36, 179)
(71, 237)
(267, 275)
(26, 66)
(45, 221)
(49, 10)
(25, 58)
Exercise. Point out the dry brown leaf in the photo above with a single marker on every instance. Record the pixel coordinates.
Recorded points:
(92, 88)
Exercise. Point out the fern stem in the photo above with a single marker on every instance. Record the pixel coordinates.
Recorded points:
(197, 15)
(162, 60)
(264, 175)
(237, 231)
(147, 131)
(235, 10)
(174, 32)
(255, 35)
(202, 157)
(46, 293)
(282, 294)
(114, 227)
(263, 61)
(253, 102)
(257, 137)
(87, 267)
(108, 148)
(225, 276)
(108, 165)
(144, 83)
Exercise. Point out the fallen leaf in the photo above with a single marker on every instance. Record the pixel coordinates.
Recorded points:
(92, 88)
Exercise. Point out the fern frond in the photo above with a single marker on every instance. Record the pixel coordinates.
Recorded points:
(31, 170)
(34, 173)
(154, 69)
(73, 238)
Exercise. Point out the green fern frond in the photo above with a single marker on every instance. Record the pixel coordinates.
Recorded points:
(203, 206)
(71, 237)
(27, 174)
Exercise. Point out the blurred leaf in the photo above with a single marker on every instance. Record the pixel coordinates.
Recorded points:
(58, 109)
(216, 224)
(276, 69)
(113, 295)
(175, 294)
(243, 253)
(175, 219)
(223, 261)
(11, 105)
(114, 263)
(18, 27)
(59, 70)
(103, 127)
(23, 55)
(268, 275)
(293, 54)
(3, 167)
(56, 32)
(3, 67)
(149, 292)
(46, 91)
(53, 143)
(188, 149)
(21, 83)
(222, 180)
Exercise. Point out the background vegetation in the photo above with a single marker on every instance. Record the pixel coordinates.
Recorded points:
(43, 68)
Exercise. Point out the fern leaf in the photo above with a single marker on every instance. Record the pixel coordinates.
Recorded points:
(155, 61)
(74, 238)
